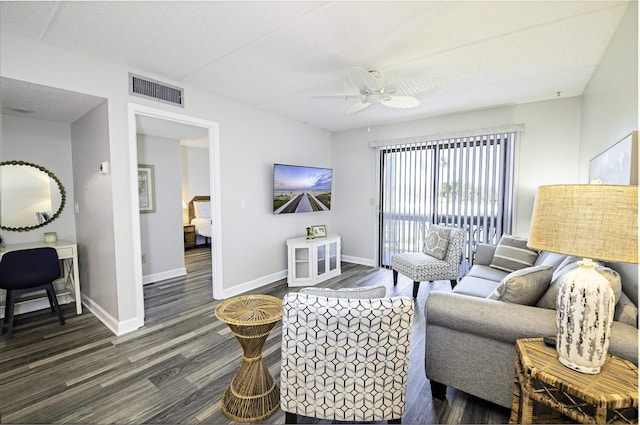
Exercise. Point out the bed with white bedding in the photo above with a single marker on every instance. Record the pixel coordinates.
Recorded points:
(200, 216)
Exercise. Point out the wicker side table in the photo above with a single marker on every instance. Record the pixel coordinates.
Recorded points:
(253, 394)
(610, 396)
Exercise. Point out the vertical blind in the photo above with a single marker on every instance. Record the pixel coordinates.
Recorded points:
(466, 182)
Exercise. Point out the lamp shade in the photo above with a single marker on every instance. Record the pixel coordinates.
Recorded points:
(587, 220)
(595, 222)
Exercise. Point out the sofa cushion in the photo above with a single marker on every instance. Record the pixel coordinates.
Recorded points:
(475, 286)
(437, 241)
(512, 253)
(352, 293)
(524, 286)
(546, 258)
(486, 272)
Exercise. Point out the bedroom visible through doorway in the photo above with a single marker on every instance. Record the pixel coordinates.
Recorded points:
(183, 152)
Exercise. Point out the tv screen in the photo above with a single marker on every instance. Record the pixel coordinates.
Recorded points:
(299, 189)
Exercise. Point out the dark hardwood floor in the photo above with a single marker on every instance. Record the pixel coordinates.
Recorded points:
(175, 368)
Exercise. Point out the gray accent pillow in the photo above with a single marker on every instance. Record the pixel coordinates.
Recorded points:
(437, 241)
(524, 286)
(626, 311)
(512, 253)
(359, 293)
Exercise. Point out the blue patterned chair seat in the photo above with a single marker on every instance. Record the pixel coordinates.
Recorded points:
(345, 359)
(421, 267)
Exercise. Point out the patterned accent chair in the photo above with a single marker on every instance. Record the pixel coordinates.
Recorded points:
(345, 359)
(424, 266)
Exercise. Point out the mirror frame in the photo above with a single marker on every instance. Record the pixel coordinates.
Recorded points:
(63, 196)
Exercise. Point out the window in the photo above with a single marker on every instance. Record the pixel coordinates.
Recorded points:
(464, 182)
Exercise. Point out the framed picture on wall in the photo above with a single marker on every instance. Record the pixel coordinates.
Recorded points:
(618, 164)
(146, 189)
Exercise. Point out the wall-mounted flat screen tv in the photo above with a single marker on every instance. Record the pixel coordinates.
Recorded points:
(299, 189)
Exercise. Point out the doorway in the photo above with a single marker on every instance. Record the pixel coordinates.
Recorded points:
(176, 124)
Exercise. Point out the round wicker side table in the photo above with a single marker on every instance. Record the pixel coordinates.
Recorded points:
(253, 394)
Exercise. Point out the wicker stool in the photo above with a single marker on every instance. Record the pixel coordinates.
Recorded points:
(253, 394)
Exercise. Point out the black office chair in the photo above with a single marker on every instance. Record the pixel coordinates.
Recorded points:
(29, 270)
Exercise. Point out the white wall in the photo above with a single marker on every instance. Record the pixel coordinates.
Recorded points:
(161, 233)
(95, 216)
(47, 144)
(251, 141)
(610, 103)
(610, 100)
(546, 152)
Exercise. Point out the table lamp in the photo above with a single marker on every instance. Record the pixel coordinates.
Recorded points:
(593, 221)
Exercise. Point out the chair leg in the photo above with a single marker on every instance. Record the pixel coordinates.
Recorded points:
(454, 282)
(8, 311)
(53, 300)
(395, 277)
(290, 418)
(415, 288)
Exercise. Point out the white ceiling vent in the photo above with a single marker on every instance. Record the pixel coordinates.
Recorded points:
(156, 90)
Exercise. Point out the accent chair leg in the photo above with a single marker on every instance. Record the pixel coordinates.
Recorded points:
(395, 277)
(438, 390)
(454, 282)
(415, 288)
(54, 303)
(395, 421)
(8, 312)
(290, 418)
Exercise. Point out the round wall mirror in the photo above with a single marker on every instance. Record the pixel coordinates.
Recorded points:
(30, 196)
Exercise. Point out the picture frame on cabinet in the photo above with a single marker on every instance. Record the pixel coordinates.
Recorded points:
(319, 231)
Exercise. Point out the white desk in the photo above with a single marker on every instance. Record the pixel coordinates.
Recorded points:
(68, 253)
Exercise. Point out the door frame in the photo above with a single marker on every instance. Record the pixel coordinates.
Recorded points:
(213, 135)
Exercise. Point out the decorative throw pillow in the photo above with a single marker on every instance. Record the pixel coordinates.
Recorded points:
(626, 311)
(512, 253)
(437, 241)
(359, 293)
(524, 286)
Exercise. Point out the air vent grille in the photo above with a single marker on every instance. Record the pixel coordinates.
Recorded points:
(156, 90)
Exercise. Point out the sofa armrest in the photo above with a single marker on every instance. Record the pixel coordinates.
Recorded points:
(490, 319)
(507, 322)
(484, 254)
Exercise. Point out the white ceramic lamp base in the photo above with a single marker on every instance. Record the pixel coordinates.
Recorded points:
(584, 314)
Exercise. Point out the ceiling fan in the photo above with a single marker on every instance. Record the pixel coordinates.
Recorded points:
(372, 91)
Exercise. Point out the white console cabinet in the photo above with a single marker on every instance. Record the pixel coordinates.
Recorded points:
(313, 261)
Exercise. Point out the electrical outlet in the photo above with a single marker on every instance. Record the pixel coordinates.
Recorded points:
(144, 258)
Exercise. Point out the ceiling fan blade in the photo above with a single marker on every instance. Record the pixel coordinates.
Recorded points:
(401, 102)
(357, 107)
(363, 79)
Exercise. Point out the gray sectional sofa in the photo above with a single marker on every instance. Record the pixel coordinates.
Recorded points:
(470, 339)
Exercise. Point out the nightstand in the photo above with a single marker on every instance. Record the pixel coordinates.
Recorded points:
(189, 236)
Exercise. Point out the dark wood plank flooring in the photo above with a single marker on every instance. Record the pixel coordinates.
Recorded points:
(175, 368)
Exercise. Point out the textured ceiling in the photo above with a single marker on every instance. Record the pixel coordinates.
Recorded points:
(278, 55)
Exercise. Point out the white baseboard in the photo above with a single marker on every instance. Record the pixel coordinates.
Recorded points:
(357, 260)
(254, 284)
(169, 274)
(118, 328)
